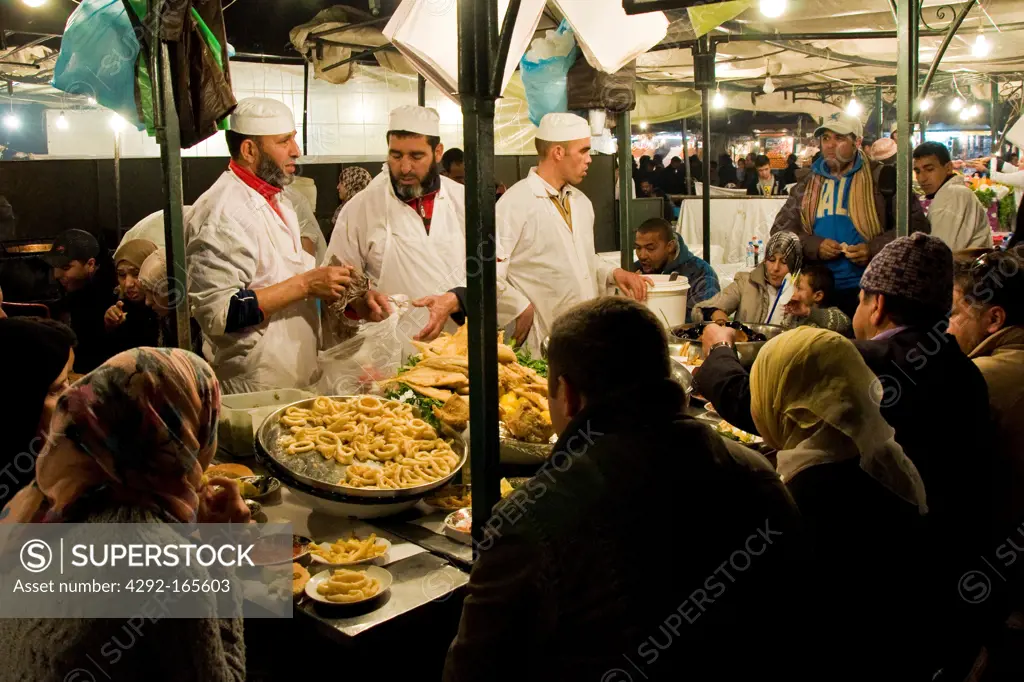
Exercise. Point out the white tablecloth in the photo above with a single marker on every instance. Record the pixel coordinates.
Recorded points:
(733, 223)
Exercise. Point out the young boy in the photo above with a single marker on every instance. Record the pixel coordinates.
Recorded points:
(809, 305)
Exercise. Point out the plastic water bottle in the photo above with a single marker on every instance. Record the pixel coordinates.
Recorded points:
(750, 255)
(758, 251)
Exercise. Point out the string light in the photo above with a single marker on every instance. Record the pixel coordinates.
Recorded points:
(853, 107)
(926, 104)
(718, 101)
(116, 123)
(34, 3)
(965, 114)
(62, 122)
(91, 101)
(11, 121)
(769, 86)
(973, 110)
(956, 105)
(981, 46)
(773, 8)
(643, 125)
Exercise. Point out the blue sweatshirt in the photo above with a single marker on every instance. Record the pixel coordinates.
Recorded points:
(832, 221)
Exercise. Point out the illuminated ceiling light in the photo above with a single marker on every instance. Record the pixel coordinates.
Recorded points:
(981, 46)
(62, 122)
(91, 101)
(34, 3)
(773, 8)
(643, 125)
(926, 104)
(956, 105)
(12, 122)
(722, 67)
(116, 123)
(973, 110)
(769, 86)
(718, 101)
(965, 114)
(853, 107)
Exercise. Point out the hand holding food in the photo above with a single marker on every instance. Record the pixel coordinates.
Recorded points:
(720, 317)
(350, 551)
(716, 333)
(829, 249)
(346, 587)
(220, 502)
(328, 282)
(858, 253)
(797, 308)
(115, 316)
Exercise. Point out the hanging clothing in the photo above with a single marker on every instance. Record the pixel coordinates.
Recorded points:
(237, 240)
(415, 248)
(546, 253)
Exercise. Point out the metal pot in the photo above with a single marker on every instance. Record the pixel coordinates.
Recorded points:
(746, 350)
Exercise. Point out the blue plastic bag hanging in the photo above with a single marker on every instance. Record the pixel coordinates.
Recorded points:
(545, 69)
(97, 57)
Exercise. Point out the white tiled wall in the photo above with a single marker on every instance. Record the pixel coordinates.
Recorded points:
(347, 121)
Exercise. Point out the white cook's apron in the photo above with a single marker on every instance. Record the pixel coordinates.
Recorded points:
(286, 354)
(419, 264)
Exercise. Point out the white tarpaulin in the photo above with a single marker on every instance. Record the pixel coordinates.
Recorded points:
(608, 36)
(427, 33)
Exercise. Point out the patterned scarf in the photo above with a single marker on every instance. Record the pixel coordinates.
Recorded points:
(142, 426)
(861, 205)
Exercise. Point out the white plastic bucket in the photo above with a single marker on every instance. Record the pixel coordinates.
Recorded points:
(667, 300)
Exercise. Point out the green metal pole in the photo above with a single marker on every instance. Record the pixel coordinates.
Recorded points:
(993, 115)
(478, 45)
(623, 133)
(421, 91)
(879, 112)
(906, 90)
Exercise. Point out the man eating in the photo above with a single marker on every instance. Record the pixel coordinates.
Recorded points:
(660, 250)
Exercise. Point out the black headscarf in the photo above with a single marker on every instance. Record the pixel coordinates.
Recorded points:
(34, 352)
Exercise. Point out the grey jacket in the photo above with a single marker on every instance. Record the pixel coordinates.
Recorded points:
(748, 296)
(48, 649)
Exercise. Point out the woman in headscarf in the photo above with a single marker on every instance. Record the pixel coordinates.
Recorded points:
(128, 444)
(814, 399)
(158, 291)
(39, 355)
(752, 295)
(351, 182)
(129, 323)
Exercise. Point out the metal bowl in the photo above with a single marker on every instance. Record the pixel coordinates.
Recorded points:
(284, 467)
(746, 350)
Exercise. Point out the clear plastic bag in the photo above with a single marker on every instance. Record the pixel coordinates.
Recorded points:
(545, 77)
(363, 362)
(97, 57)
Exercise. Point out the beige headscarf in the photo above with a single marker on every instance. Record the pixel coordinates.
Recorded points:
(134, 251)
(153, 273)
(815, 400)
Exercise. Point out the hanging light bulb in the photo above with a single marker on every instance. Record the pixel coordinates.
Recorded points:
(965, 114)
(91, 101)
(769, 86)
(956, 105)
(981, 46)
(11, 121)
(116, 123)
(972, 111)
(62, 122)
(853, 107)
(643, 125)
(926, 104)
(718, 101)
(34, 3)
(773, 8)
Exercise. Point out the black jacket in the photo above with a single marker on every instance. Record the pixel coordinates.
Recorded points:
(141, 327)
(618, 548)
(83, 311)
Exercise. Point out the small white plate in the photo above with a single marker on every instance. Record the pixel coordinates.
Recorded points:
(454, 533)
(383, 577)
(379, 559)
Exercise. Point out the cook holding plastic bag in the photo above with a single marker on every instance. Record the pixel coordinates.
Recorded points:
(546, 236)
(407, 229)
(252, 288)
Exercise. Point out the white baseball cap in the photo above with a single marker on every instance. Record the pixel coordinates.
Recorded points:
(842, 123)
(419, 120)
(262, 116)
(563, 128)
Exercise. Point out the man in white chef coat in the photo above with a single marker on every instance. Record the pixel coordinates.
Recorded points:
(407, 229)
(546, 236)
(251, 285)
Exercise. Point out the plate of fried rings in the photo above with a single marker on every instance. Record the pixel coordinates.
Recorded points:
(343, 586)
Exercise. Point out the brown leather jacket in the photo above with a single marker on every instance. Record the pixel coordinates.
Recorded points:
(885, 194)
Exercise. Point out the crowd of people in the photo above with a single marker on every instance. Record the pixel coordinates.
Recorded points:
(897, 453)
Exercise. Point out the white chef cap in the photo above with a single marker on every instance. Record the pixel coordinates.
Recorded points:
(413, 119)
(262, 116)
(563, 128)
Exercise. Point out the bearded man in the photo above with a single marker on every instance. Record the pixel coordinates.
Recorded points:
(407, 229)
(250, 283)
(844, 210)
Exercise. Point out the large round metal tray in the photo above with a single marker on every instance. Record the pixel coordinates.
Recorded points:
(746, 350)
(319, 474)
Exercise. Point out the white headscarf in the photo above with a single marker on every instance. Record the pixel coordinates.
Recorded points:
(814, 399)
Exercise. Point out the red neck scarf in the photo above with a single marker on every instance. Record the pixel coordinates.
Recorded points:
(424, 207)
(264, 188)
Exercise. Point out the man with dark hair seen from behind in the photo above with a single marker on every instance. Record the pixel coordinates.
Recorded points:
(88, 280)
(251, 284)
(559, 572)
(955, 214)
(660, 250)
(454, 164)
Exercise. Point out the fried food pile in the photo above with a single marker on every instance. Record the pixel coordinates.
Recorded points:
(346, 587)
(350, 551)
(442, 374)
